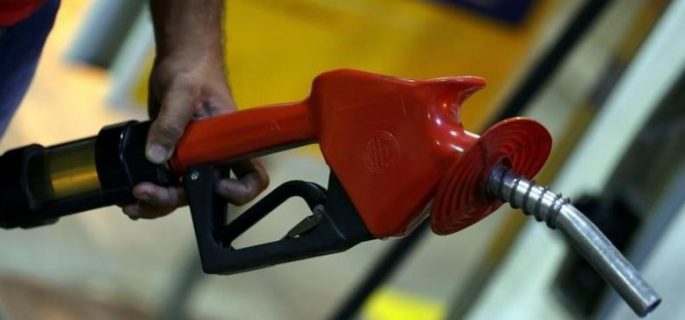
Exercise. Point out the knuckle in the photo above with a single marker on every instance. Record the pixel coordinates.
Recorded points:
(242, 198)
(253, 193)
(263, 181)
(180, 80)
(171, 130)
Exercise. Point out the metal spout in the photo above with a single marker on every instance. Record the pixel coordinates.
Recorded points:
(558, 213)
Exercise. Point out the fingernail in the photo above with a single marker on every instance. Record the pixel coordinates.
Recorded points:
(156, 153)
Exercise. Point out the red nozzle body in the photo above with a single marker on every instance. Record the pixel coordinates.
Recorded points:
(396, 145)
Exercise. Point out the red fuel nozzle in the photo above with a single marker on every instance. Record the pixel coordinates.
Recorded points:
(397, 151)
(395, 144)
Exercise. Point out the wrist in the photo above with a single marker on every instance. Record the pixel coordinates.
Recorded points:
(188, 27)
(191, 44)
(193, 54)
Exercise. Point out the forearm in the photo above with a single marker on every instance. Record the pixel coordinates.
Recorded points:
(183, 27)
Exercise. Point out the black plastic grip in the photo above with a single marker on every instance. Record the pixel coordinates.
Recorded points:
(333, 226)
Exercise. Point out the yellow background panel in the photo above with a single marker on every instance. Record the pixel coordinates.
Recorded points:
(387, 304)
(275, 48)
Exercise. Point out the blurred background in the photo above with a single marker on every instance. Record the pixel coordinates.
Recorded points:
(605, 77)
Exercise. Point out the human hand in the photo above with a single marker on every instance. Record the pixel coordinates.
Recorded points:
(185, 86)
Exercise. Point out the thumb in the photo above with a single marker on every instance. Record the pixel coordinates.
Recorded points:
(175, 113)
